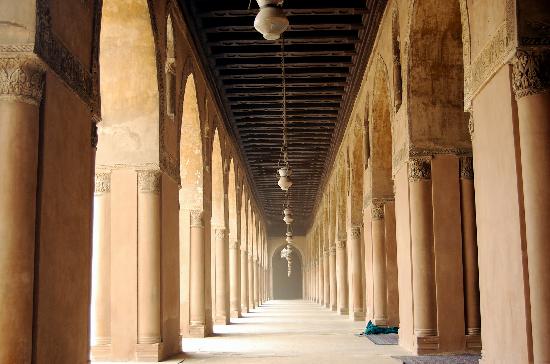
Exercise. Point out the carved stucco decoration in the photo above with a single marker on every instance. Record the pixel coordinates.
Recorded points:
(21, 79)
(332, 249)
(196, 218)
(466, 168)
(149, 181)
(531, 72)
(355, 232)
(341, 244)
(420, 169)
(377, 210)
(219, 233)
(102, 182)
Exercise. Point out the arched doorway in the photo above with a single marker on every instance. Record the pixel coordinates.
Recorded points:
(285, 287)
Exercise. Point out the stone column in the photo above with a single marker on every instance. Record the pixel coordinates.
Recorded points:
(235, 279)
(379, 264)
(531, 81)
(332, 278)
(257, 279)
(149, 185)
(357, 312)
(101, 282)
(321, 279)
(244, 281)
(21, 82)
(250, 282)
(221, 270)
(422, 247)
(326, 281)
(197, 316)
(341, 275)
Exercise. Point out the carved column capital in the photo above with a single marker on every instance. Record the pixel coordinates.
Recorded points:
(341, 244)
(420, 169)
(219, 232)
(196, 218)
(466, 168)
(149, 181)
(377, 210)
(355, 232)
(234, 244)
(102, 182)
(531, 72)
(21, 79)
(332, 249)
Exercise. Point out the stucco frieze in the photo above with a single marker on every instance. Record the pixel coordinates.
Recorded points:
(531, 72)
(21, 79)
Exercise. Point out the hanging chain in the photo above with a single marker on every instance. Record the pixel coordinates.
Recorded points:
(283, 77)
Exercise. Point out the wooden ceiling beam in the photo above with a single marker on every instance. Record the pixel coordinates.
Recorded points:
(288, 12)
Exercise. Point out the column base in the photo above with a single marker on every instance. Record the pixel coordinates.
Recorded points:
(327, 305)
(197, 331)
(357, 316)
(236, 314)
(383, 322)
(149, 352)
(221, 320)
(473, 343)
(101, 352)
(333, 308)
(343, 311)
(425, 345)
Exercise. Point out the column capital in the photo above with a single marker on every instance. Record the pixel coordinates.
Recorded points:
(102, 182)
(420, 168)
(377, 210)
(355, 232)
(466, 168)
(149, 181)
(22, 79)
(332, 249)
(531, 72)
(219, 232)
(196, 218)
(234, 244)
(341, 244)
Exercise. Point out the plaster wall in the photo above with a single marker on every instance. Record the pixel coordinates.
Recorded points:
(502, 260)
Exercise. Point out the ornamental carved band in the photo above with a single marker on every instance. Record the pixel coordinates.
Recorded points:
(531, 72)
(419, 169)
(149, 181)
(341, 244)
(196, 218)
(21, 79)
(377, 210)
(466, 168)
(103, 182)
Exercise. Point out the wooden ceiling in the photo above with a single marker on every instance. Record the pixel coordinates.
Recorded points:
(326, 49)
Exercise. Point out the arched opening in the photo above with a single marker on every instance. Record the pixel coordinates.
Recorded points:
(286, 287)
(191, 191)
(128, 144)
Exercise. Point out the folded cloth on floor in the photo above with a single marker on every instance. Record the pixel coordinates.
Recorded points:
(372, 329)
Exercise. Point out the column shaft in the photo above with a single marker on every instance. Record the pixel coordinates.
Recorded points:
(149, 257)
(197, 318)
(19, 126)
(257, 279)
(332, 278)
(379, 265)
(326, 279)
(235, 279)
(101, 253)
(531, 86)
(251, 305)
(321, 280)
(357, 312)
(423, 265)
(244, 281)
(341, 273)
(222, 279)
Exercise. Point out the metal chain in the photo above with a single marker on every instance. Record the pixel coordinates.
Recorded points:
(283, 76)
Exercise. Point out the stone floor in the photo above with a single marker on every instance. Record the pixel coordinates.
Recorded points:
(288, 332)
